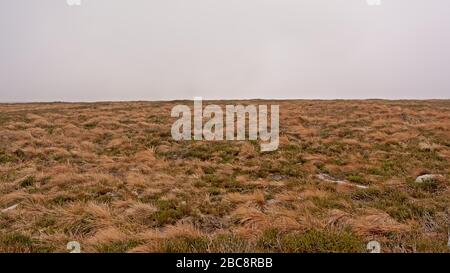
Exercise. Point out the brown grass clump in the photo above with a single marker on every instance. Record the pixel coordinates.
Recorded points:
(251, 217)
(376, 223)
(257, 197)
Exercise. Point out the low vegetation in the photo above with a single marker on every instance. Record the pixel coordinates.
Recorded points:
(109, 176)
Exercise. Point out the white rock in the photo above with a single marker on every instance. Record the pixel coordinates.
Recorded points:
(428, 177)
(327, 178)
(10, 208)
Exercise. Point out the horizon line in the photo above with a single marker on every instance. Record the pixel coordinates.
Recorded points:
(228, 99)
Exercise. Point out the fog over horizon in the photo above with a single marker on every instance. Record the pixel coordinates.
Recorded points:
(113, 50)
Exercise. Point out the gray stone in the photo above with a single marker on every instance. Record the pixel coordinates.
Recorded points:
(328, 178)
(277, 177)
(273, 202)
(428, 178)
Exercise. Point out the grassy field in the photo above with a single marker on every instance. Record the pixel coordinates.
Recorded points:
(110, 176)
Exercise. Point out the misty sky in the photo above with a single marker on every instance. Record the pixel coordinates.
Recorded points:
(175, 49)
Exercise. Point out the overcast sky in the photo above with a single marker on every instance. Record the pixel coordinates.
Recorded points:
(174, 49)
